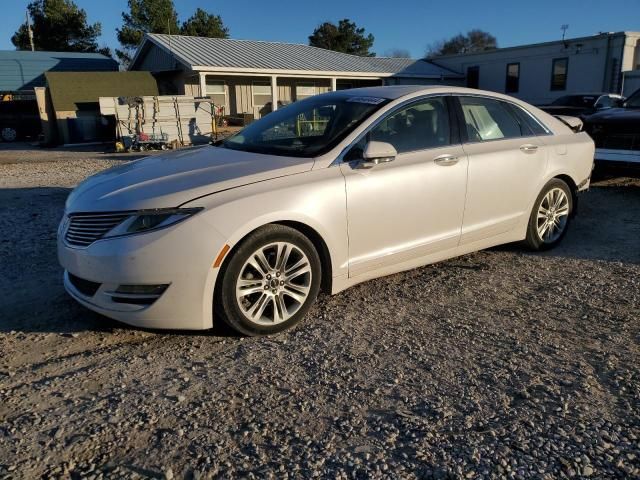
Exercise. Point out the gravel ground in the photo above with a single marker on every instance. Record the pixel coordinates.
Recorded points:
(499, 364)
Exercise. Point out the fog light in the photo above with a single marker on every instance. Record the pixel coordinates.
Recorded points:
(155, 290)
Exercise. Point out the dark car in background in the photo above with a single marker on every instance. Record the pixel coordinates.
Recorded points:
(19, 119)
(581, 105)
(616, 132)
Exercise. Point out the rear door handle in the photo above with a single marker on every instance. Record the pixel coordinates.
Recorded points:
(446, 160)
(529, 148)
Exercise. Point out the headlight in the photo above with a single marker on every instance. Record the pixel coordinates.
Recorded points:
(148, 220)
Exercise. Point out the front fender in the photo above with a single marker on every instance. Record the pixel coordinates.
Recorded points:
(316, 199)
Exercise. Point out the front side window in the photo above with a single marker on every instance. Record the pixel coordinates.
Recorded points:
(559, 72)
(513, 78)
(487, 119)
(421, 125)
(604, 102)
(307, 128)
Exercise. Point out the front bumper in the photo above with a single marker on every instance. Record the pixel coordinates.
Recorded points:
(181, 257)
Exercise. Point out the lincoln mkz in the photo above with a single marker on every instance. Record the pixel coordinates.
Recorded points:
(319, 195)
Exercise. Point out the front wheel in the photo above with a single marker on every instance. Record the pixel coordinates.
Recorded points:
(270, 281)
(550, 216)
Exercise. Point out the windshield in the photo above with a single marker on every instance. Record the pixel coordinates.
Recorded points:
(634, 100)
(576, 101)
(306, 128)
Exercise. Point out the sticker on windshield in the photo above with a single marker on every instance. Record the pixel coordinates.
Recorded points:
(368, 100)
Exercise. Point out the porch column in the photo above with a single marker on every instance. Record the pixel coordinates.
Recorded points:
(334, 81)
(274, 93)
(203, 84)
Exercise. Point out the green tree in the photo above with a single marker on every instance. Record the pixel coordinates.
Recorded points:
(474, 41)
(59, 25)
(145, 16)
(204, 24)
(345, 37)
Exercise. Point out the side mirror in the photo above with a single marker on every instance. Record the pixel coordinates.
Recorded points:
(376, 153)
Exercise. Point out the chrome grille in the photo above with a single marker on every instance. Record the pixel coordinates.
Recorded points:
(86, 228)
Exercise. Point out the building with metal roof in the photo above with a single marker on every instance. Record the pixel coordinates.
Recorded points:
(249, 77)
(21, 71)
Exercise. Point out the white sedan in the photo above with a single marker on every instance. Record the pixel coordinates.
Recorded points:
(322, 194)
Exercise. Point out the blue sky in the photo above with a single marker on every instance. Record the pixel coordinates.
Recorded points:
(406, 24)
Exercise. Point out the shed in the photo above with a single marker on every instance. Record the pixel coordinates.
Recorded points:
(74, 100)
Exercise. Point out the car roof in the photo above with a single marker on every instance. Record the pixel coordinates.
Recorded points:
(591, 94)
(393, 92)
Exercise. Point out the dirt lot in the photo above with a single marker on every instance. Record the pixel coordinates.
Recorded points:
(497, 364)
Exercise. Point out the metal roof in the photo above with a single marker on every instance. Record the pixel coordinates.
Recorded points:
(23, 70)
(198, 53)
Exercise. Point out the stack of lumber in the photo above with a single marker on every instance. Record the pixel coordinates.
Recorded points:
(186, 120)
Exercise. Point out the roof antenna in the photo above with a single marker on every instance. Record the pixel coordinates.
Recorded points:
(30, 31)
(564, 29)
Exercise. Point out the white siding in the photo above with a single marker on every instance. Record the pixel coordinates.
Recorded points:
(595, 64)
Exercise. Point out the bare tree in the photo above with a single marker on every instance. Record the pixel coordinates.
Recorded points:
(398, 53)
(474, 41)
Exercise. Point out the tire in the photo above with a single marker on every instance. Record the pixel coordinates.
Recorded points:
(8, 134)
(257, 299)
(550, 216)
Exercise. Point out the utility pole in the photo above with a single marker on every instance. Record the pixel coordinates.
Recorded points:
(30, 32)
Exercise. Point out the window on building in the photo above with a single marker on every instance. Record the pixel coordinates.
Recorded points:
(489, 119)
(512, 84)
(261, 93)
(473, 77)
(216, 89)
(559, 71)
(305, 90)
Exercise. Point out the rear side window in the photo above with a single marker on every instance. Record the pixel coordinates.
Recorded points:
(487, 119)
(526, 119)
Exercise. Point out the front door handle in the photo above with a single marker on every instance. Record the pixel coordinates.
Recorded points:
(446, 160)
(529, 148)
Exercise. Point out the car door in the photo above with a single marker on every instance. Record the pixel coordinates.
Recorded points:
(506, 163)
(412, 206)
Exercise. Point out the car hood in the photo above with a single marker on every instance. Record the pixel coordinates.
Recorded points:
(171, 179)
(615, 115)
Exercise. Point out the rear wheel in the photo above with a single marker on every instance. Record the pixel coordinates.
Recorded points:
(270, 281)
(550, 216)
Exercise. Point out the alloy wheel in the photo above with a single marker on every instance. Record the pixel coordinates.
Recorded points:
(274, 283)
(553, 214)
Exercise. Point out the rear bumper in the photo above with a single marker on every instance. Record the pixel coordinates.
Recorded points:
(623, 156)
